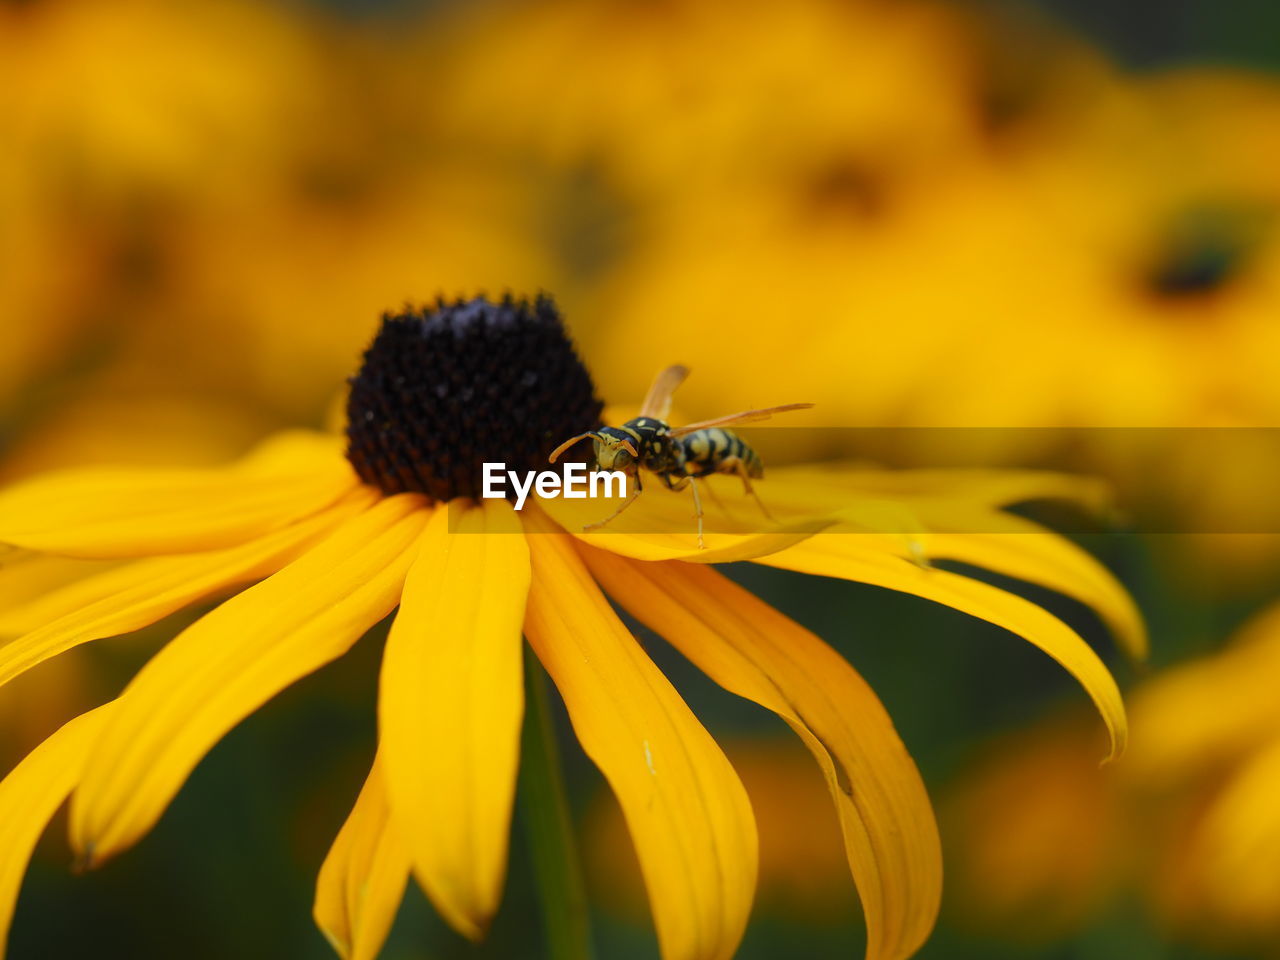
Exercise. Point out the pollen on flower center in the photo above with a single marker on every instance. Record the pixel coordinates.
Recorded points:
(444, 389)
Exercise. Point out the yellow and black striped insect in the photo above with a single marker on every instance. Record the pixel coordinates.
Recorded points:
(678, 456)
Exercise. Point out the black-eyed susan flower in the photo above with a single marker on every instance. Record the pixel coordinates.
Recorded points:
(1037, 836)
(315, 547)
(1190, 828)
(1211, 734)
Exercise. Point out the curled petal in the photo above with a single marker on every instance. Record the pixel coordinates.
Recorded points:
(362, 880)
(31, 794)
(891, 839)
(1038, 556)
(845, 557)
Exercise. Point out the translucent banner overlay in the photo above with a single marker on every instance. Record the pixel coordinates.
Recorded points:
(1149, 480)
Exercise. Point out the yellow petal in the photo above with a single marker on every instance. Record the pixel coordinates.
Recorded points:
(749, 648)
(1209, 714)
(720, 547)
(109, 513)
(450, 705)
(137, 595)
(966, 526)
(660, 526)
(922, 520)
(362, 880)
(1039, 556)
(842, 555)
(31, 794)
(685, 807)
(230, 662)
(26, 577)
(1236, 846)
(1017, 547)
(837, 483)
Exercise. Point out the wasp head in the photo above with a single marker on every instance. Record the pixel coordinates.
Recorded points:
(615, 450)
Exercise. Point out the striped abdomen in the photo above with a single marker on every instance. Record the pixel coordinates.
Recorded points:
(716, 450)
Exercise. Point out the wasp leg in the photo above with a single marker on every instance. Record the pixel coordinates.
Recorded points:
(715, 498)
(739, 466)
(697, 507)
(697, 501)
(625, 503)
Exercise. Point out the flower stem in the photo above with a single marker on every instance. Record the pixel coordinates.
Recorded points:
(545, 811)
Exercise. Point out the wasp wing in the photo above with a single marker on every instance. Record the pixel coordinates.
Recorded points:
(657, 403)
(746, 416)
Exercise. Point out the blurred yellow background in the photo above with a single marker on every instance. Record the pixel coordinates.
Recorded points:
(912, 213)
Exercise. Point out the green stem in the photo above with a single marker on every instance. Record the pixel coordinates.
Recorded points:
(545, 812)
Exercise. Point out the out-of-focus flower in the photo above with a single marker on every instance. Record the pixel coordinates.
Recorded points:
(674, 97)
(764, 158)
(1035, 836)
(1189, 821)
(338, 542)
(112, 104)
(45, 272)
(277, 288)
(194, 202)
(103, 423)
(1211, 737)
(1086, 248)
(1107, 266)
(118, 122)
(1134, 234)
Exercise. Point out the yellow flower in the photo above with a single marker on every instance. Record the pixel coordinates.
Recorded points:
(315, 548)
(667, 98)
(1140, 234)
(1189, 823)
(1132, 236)
(1035, 835)
(126, 101)
(760, 153)
(126, 125)
(172, 179)
(1211, 739)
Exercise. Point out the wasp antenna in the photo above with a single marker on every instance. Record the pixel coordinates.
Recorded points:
(628, 446)
(555, 454)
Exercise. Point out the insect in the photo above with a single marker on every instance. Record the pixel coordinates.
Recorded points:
(678, 456)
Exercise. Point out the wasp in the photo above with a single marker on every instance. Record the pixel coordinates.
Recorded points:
(678, 456)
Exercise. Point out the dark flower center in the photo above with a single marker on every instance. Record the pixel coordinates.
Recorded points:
(445, 389)
(1204, 250)
(1192, 268)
